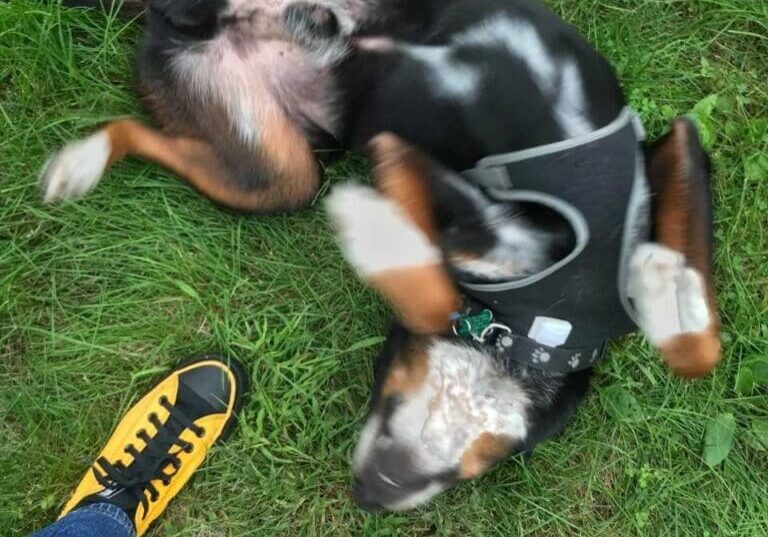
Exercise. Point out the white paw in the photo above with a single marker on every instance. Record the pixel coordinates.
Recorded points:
(77, 168)
(670, 297)
(374, 234)
(692, 301)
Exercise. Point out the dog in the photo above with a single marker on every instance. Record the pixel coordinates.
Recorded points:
(518, 218)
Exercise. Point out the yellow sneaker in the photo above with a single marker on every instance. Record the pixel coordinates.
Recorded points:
(163, 439)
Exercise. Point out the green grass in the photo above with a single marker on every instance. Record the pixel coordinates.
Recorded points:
(99, 296)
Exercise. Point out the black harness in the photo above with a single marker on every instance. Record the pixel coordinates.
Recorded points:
(560, 319)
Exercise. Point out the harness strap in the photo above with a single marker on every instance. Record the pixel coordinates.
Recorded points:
(521, 350)
(529, 352)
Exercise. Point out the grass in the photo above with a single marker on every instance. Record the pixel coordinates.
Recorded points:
(98, 297)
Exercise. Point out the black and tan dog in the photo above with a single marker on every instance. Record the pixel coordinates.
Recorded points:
(519, 219)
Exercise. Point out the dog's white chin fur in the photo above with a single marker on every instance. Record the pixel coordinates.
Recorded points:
(77, 168)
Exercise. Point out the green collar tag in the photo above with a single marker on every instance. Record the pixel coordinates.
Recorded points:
(472, 326)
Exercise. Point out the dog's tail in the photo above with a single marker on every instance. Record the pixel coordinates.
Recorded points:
(125, 8)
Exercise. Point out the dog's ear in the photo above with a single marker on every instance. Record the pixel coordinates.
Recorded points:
(389, 237)
(678, 171)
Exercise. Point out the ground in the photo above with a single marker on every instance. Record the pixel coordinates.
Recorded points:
(100, 296)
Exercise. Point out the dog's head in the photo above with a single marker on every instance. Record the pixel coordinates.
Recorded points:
(442, 412)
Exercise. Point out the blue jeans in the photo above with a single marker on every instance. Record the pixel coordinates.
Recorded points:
(95, 520)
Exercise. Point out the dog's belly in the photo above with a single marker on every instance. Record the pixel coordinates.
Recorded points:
(253, 80)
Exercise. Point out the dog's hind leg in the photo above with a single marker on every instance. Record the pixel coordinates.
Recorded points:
(388, 237)
(671, 279)
(288, 171)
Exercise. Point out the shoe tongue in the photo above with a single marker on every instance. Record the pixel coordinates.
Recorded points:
(196, 405)
(121, 497)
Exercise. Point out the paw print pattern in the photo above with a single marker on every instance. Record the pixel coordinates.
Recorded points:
(504, 342)
(540, 356)
(575, 360)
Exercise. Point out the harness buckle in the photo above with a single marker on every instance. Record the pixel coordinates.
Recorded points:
(479, 327)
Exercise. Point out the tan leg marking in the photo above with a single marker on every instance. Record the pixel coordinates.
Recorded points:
(681, 224)
(484, 452)
(290, 176)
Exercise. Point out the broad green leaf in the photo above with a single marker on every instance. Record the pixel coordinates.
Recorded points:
(702, 114)
(704, 108)
(756, 167)
(759, 367)
(745, 380)
(718, 438)
(187, 289)
(620, 404)
(757, 438)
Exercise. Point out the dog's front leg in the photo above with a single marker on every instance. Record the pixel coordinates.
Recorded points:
(389, 237)
(671, 279)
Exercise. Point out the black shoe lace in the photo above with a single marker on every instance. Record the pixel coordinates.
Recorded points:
(150, 464)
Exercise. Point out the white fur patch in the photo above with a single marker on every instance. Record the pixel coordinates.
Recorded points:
(254, 80)
(471, 395)
(569, 109)
(374, 234)
(77, 168)
(669, 296)
(522, 40)
(449, 78)
(419, 498)
(465, 394)
(366, 442)
(520, 250)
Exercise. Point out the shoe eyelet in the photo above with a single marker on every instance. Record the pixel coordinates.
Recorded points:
(188, 449)
(163, 400)
(200, 433)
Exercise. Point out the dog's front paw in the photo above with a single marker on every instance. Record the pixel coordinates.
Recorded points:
(670, 297)
(374, 233)
(76, 169)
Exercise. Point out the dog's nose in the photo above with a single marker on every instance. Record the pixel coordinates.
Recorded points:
(363, 498)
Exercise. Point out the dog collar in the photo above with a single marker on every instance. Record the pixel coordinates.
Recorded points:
(483, 329)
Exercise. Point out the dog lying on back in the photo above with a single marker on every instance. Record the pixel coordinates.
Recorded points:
(508, 223)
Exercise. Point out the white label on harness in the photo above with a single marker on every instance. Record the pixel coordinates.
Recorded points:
(550, 331)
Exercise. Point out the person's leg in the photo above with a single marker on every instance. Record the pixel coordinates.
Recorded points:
(95, 520)
(154, 450)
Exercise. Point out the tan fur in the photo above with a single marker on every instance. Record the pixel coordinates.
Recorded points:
(286, 152)
(401, 175)
(693, 355)
(482, 454)
(407, 373)
(423, 297)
